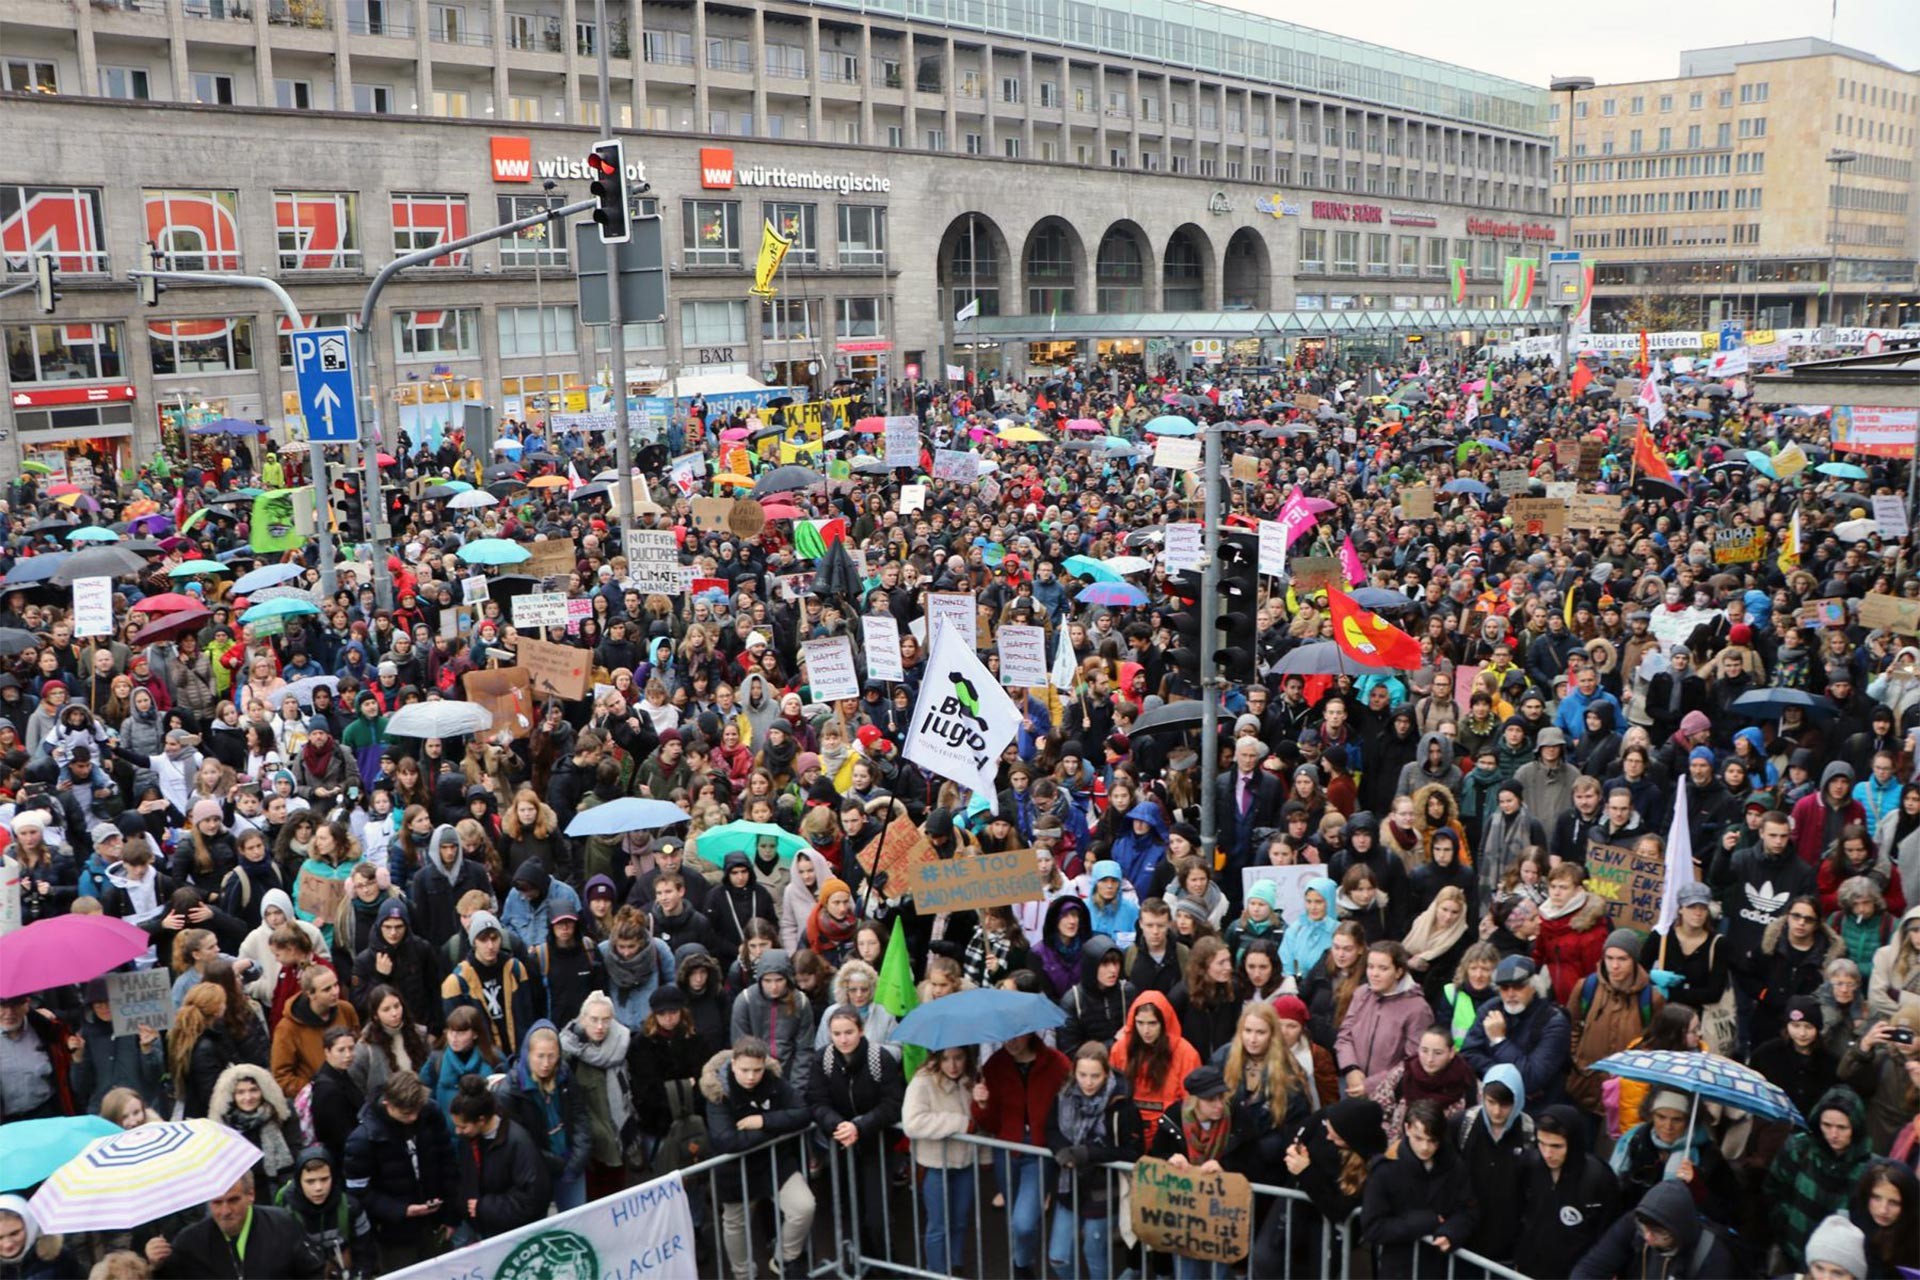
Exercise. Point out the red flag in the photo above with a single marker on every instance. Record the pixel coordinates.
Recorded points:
(1648, 459)
(1582, 378)
(1043, 404)
(1368, 638)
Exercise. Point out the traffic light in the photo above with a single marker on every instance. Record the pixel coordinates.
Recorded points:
(608, 167)
(46, 274)
(1236, 651)
(149, 287)
(1185, 655)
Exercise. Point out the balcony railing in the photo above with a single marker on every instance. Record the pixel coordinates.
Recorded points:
(401, 27)
(472, 39)
(218, 11)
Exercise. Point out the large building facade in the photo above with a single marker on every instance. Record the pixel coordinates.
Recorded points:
(1771, 183)
(1040, 157)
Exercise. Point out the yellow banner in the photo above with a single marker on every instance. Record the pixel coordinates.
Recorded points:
(773, 251)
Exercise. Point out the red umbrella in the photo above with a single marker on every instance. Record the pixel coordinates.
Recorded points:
(780, 511)
(62, 489)
(173, 625)
(168, 602)
(870, 426)
(385, 459)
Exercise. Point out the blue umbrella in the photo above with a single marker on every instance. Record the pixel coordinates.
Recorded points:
(94, 533)
(1842, 471)
(32, 569)
(1704, 1075)
(1762, 463)
(628, 813)
(271, 575)
(1112, 595)
(494, 551)
(1473, 488)
(983, 1015)
(1171, 424)
(227, 427)
(1700, 414)
(1088, 567)
(1498, 446)
(1771, 704)
(30, 1150)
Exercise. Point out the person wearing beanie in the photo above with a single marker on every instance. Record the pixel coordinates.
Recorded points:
(493, 981)
(1259, 918)
(1111, 902)
(1837, 1250)
(1610, 1011)
(833, 922)
(666, 1051)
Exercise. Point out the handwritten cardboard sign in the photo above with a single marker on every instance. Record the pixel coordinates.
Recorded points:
(1877, 609)
(506, 694)
(653, 561)
(1739, 545)
(536, 609)
(555, 670)
(1315, 573)
(710, 514)
(551, 558)
(1592, 454)
(143, 998)
(1627, 882)
(1176, 453)
(956, 465)
(1208, 1216)
(1538, 517)
(1023, 655)
(746, 518)
(901, 846)
(1416, 503)
(976, 881)
(1307, 403)
(1246, 468)
(319, 897)
(1512, 482)
(1595, 510)
(1566, 453)
(831, 672)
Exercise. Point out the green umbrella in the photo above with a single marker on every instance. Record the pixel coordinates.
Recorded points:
(194, 568)
(36, 468)
(716, 843)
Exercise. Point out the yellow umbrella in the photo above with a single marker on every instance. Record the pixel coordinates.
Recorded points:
(1024, 435)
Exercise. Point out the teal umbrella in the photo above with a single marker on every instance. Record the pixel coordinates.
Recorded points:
(194, 568)
(715, 843)
(92, 533)
(30, 1150)
(494, 551)
(283, 607)
(1088, 567)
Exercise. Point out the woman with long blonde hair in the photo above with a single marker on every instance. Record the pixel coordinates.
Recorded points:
(1262, 1074)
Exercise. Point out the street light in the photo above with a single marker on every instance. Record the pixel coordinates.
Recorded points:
(1830, 312)
(1569, 85)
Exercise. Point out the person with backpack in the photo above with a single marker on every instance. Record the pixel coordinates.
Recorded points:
(663, 1064)
(333, 1219)
(1660, 1238)
(1611, 1009)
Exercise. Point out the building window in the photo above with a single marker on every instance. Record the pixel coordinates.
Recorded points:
(856, 317)
(713, 324)
(1379, 249)
(1011, 90)
(211, 90)
(728, 53)
(936, 140)
(283, 331)
(1665, 142)
(293, 95)
(20, 75)
(65, 221)
(201, 346)
(124, 82)
(195, 230)
(863, 236)
(668, 48)
(786, 62)
(800, 224)
(1637, 105)
(1346, 251)
(1049, 94)
(1666, 103)
(520, 330)
(976, 145)
(543, 244)
(316, 230)
(373, 99)
(1010, 146)
(710, 232)
(63, 353)
(1313, 250)
(436, 335)
(423, 221)
(896, 137)
(521, 107)
(790, 320)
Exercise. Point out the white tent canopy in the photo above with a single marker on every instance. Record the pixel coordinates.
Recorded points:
(688, 386)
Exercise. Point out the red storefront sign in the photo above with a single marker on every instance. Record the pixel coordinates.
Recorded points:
(863, 346)
(1511, 230)
(1340, 211)
(72, 395)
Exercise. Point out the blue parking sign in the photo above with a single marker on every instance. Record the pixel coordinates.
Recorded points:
(323, 368)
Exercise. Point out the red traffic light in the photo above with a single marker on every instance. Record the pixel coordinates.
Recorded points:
(600, 164)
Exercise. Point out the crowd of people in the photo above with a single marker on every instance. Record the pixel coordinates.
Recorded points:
(441, 1017)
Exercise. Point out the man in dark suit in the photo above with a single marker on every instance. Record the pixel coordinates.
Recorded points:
(1245, 797)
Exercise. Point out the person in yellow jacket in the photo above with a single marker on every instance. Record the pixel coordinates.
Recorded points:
(272, 474)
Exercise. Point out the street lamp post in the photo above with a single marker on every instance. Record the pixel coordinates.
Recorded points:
(1569, 85)
(1829, 313)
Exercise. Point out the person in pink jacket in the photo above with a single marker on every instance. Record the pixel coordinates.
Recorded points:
(1383, 1023)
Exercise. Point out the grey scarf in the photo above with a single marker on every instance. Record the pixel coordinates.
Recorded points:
(608, 1056)
(629, 974)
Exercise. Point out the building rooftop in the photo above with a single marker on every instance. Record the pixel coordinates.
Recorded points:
(1721, 59)
(1214, 39)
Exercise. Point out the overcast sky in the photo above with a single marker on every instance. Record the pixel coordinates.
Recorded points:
(1615, 41)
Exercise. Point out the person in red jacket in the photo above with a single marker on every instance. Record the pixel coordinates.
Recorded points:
(1573, 930)
(1819, 818)
(1023, 1077)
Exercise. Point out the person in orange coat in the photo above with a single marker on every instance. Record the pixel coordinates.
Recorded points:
(1153, 1057)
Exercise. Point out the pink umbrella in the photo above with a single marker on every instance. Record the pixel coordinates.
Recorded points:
(1172, 397)
(1316, 505)
(385, 459)
(1085, 424)
(870, 426)
(978, 434)
(780, 511)
(1255, 424)
(64, 950)
(734, 433)
(1477, 384)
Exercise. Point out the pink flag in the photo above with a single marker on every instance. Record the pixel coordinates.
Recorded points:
(1350, 562)
(1296, 517)
(1426, 370)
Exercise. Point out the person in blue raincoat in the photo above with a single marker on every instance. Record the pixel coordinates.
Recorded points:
(1140, 848)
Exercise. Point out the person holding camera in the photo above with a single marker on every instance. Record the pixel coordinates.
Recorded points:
(1884, 1067)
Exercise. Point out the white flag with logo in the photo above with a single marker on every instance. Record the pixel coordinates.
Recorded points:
(963, 719)
(969, 312)
(1650, 403)
(1065, 665)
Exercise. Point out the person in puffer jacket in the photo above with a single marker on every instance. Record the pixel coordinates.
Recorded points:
(772, 1009)
(1097, 1006)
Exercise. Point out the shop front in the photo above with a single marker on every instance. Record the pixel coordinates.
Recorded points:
(76, 432)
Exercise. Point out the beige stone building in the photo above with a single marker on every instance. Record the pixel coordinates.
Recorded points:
(1746, 183)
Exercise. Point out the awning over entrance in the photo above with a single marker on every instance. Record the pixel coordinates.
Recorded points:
(1242, 324)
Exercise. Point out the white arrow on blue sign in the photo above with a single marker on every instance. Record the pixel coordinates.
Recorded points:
(323, 367)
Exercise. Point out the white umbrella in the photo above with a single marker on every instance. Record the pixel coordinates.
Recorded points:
(446, 719)
(1124, 565)
(301, 691)
(1855, 530)
(142, 1174)
(472, 498)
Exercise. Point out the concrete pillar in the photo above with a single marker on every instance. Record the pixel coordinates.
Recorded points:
(262, 58)
(815, 112)
(757, 50)
(1031, 92)
(866, 87)
(177, 63)
(950, 75)
(342, 60)
(699, 68)
(637, 47)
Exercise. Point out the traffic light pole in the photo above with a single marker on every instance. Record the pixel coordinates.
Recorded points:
(1210, 680)
(616, 319)
(363, 331)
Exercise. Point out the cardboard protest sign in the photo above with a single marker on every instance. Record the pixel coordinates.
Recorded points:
(746, 518)
(550, 559)
(1890, 515)
(1315, 573)
(556, 670)
(1739, 545)
(831, 673)
(1246, 468)
(1208, 1216)
(956, 465)
(899, 847)
(882, 636)
(1184, 547)
(319, 896)
(1790, 461)
(474, 590)
(537, 609)
(710, 514)
(1416, 503)
(913, 497)
(902, 441)
(975, 881)
(1539, 517)
(1592, 454)
(1595, 510)
(506, 694)
(653, 561)
(1877, 609)
(1176, 453)
(1307, 403)
(144, 998)
(1512, 482)
(955, 609)
(1566, 453)
(1627, 882)
(93, 606)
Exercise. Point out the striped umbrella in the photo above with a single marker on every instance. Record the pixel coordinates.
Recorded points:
(141, 1174)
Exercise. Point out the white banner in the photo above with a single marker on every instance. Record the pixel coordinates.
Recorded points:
(1023, 655)
(1729, 364)
(831, 673)
(1065, 665)
(1890, 513)
(955, 610)
(93, 606)
(540, 609)
(645, 1233)
(1176, 453)
(902, 441)
(881, 634)
(962, 720)
(653, 561)
(1185, 547)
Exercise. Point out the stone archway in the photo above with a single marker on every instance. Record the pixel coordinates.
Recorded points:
(974, 261)
(1188, 278)
(1247, 276)
(1053, 267)
(1122, 281)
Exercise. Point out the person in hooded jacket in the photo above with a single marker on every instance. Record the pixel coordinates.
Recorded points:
(1666, 1146)
(1493, 1138)
(1568, 1197)
(636, 963)
(1660, 1238)
(1819, 818)
(1363, 848)
(1611, 1009)
(775, 1011)
(399, 1162)
(396, 958)
(1384, 1020)
(1329, 1159)
(334, 1220)
(1433, 765)
(709, 1004)
(1092, 1123)
(739, 898)
(1153, 1058)
(536, 896)
(502, 1180)
(749, 1101)
(437, 887)
(1415, 1200)
(1141, 847)
(1097, 1006)
(1064, 934)
(855, 1093)
(540, 1094)
(1815, 1173)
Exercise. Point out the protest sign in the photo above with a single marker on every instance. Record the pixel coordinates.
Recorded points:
(953, 609)
(1592, 454)
(956, 465)
(318, 897)
(1629, 883)
(1890, 514)
(457, 621)
(1289, 882)
(976, 881)
(579, 609)
(1561, 490)
(555, 670)
(1877, 609)
(899, 847)
(882, 637)
(1512, 482)
(1315, 573)
(1790, 461)
(1246, 468)
(642, 1233)
(746, 518)
(902, 441)
(831, 673)
(1307, 403)
(474, 590)
(1176, 453)
(1185, 547)
(1273, 549)
(700, 586)
(1595, 510)
(1566, 453)
(93, 606)
(9, 895)
(1538, 517)
(552, 558)
(144, 998)
(1023, 655)
(505, 694)
(537, 609)
(653, 561)
(1674, 626)
(1191, 1214)
(710, 514)
(1824, 613)
(1738, 545)
(1416, 503)
(793, 586)
(913, 497)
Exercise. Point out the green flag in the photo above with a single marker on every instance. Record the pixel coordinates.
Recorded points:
(274, 526)
(1486, 387)
(895, 993)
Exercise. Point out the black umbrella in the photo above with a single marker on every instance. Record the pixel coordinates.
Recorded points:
(503, 471)
(595, 490)
(834, 577)
(1432, 446)
(505, 488)
(538, 455)
(872, 467)
(652, 458)
(96, 562)
(230, 500)
(1654, 487)
(53, 525)
(1172, 717)
(510, 584)
(766, 433)
(779, 402)
(1716, 390)
(14, 641)
(787, 479)
(439, 493)
(1151, 537)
